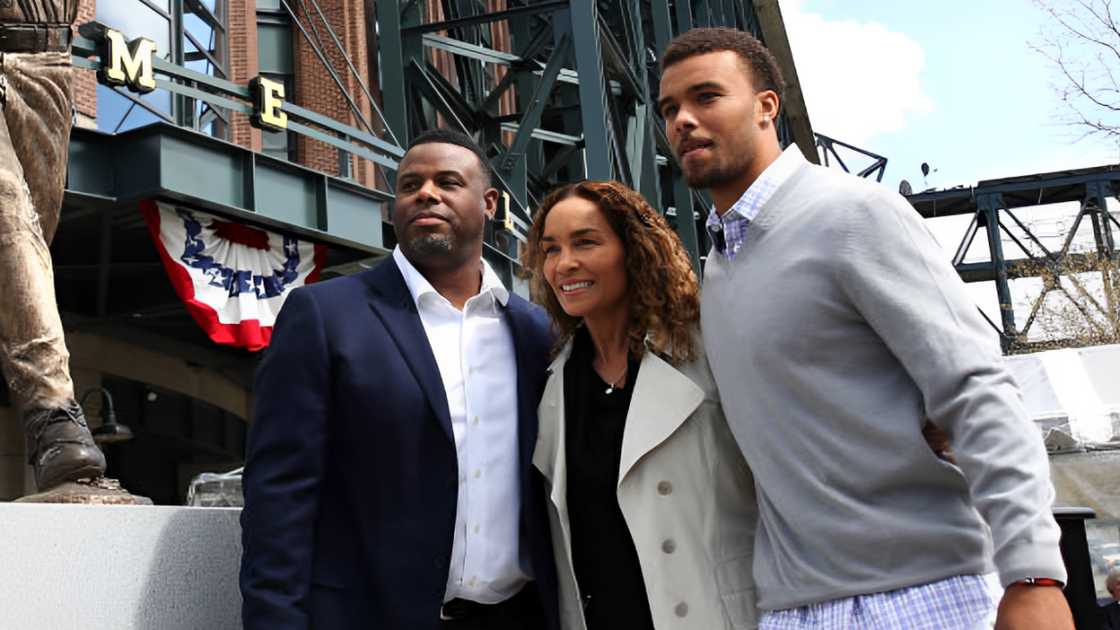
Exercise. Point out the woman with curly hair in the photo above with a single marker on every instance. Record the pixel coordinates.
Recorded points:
(652, 507)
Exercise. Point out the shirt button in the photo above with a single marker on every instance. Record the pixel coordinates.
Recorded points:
(477, 473)
(669, 546)
(664, 488)
(681, 609)
(474, 421)
(476, 528)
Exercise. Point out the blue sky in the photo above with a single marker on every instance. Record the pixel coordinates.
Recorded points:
(954, 84)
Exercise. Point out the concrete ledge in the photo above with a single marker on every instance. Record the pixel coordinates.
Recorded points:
(66, 567)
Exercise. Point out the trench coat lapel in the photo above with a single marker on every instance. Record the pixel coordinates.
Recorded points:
(662, 400)
(550, 456)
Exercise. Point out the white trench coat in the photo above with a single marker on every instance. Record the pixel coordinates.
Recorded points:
(685, 491)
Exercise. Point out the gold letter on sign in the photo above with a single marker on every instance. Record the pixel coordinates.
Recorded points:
(507, 214)
(128, 63)
(269, 98)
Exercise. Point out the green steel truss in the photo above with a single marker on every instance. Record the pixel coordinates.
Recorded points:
(583, 77)
(1000, 209)
(569, 95)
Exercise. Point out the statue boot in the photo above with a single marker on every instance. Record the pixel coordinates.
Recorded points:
(60, 447)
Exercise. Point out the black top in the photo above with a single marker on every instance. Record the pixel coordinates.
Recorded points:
(1109, 613)
(606, 563)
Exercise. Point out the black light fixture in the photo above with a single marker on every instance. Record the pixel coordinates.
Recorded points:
(110, 432)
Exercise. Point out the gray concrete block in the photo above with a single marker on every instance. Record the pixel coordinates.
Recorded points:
(66, 567)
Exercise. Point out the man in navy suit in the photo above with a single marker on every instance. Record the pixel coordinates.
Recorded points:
(388, 478)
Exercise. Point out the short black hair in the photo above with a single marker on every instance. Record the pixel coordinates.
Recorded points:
(765, 73)
(458, 138)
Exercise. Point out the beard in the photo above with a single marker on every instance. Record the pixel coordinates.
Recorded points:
(716, 175)
(712, 177)
(432, 245)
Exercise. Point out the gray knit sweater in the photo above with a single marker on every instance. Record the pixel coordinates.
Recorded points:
(836, 330)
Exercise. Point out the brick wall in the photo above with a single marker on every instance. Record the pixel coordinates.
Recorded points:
(503, 41)
(444, 62)
(314, 87)
(85, 82)
(316, 90)
(244, 62)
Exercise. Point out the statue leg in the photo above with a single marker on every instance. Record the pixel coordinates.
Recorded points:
(33, 352)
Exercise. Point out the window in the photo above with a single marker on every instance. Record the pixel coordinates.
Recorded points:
(204, 49)
(135, 18)
(196, 39)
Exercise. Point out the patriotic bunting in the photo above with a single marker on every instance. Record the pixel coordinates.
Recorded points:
(233, 278)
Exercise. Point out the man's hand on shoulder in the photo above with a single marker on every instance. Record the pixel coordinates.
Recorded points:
(1026, 607)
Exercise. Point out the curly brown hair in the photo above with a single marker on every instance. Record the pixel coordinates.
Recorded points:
(662, 287)
(764, 71)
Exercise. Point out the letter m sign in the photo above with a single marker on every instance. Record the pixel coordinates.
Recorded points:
(127, 63)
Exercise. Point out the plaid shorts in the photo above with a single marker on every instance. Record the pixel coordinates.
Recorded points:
(958, 603)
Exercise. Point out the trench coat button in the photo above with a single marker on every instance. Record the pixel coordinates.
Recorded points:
(669, 546)
(441, 562)
(681, 609)
(664, 488)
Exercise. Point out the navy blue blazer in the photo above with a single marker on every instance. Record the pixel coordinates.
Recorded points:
(351, 476)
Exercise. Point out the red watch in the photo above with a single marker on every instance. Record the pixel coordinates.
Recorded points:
(1037, 581)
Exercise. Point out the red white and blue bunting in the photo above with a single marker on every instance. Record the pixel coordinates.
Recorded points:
(233, 278)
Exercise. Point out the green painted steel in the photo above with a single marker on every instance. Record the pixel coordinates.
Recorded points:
(1001, 207)
(585, 76)
(217, 92)
(989, 206)
(163, 161)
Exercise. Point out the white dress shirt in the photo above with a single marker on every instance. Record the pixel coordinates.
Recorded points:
(474, 351)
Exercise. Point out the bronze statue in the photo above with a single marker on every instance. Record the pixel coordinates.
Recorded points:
(37, 108)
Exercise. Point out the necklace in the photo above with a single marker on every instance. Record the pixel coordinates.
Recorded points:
(611, 383)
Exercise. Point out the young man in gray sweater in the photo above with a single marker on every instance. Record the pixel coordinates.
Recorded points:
(835, 327)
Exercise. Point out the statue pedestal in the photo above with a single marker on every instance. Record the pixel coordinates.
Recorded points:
(96, 492)
(119, 567)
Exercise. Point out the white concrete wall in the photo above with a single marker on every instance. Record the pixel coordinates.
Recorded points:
(78, 567)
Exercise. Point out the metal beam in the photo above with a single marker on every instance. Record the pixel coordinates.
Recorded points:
(583, 111)
(497, 16)
(162, 161)
(794, 110)
(598, 147)
(686, 222)
(531, 118)
(396, 51)
(989, 206)
(225, 94)
(473, 51)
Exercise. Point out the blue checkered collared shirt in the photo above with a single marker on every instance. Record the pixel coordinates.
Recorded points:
(964, 602)
(729, 231)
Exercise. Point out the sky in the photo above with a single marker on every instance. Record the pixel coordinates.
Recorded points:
(955, 84)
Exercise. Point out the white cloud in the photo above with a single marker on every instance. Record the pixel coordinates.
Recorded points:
(859, 78)
(1056, 157)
